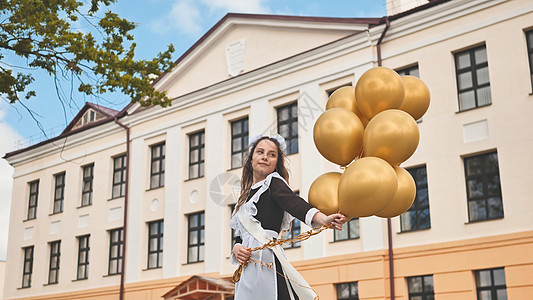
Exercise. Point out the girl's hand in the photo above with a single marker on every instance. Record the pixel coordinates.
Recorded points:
(242, 253)
(337, 220)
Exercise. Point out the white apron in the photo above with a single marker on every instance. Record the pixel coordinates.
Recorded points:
(256, 281)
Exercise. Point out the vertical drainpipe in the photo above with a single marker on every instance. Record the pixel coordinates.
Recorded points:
(125, 217)
(389, 225)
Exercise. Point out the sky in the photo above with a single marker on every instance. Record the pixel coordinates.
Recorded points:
(159, 23)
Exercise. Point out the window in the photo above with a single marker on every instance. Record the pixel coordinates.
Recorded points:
(292, 232)
(529, 39)
(115, 251)
(483, 187)
(28, 267)
(288, 126)
(53, 270)
(59, 192)
(413, 71)
(119, 176)
(417, 217)
(32, 201)
(196, 154)
(195, 244)
(157, 173)
(349, 231)
(490, 284)
(87, 185)
(155, 244)
(420, 287)
(88, 117)
(472, 70)
(83, 257)
(348, 291)
(239, 142)
(331, 91)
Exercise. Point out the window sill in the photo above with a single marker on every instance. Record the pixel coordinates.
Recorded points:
(111, 275)
(110, 199)
(23, 288)
(484, 220)
(289, 248)
(83, 206)
(56, 213)
(191, 179)
(154, 268)
(344, 240)
(155, 188)
(192, 263)
(47, 284)
(27, 220)
(81, 279)
(412, 230)
(473, 108)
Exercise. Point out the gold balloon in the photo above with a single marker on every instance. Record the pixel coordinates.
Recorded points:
(416, 101)
(338, 135)
(323, 193)
(379, 89)
(367, 187)
(405, 195)
(391, 135)
(344, 97)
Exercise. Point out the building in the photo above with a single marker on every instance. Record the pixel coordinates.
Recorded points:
(84, 197)
(2, 277)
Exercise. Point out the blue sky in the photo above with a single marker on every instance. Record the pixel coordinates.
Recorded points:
(160, 22)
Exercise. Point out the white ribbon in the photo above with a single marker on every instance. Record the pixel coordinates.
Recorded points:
(277, 137)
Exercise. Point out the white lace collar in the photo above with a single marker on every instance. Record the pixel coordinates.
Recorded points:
(257, 184)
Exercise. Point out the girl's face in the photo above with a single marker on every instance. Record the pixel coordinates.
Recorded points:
(264, 159)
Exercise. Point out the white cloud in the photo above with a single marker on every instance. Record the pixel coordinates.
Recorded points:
(8, 136)
(237, 6)
(191, 17)
(184, 16)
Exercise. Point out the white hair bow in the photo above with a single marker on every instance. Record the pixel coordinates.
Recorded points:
(277, 137)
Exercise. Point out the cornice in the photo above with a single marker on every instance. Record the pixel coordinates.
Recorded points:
(255, 77)
(64, 144)
(436, 15)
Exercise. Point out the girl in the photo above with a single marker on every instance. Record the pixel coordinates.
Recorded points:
(266, 207)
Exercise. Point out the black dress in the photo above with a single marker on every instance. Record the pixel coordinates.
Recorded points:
(270, 209)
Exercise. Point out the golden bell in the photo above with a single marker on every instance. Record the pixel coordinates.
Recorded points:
(323, 193)
(367, 187)
(405, 195)
(416, 101)
(392, 135)
(379, 89)
(344, 97)
(338, 135)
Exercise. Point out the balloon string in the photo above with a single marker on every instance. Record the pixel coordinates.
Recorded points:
(275, 242)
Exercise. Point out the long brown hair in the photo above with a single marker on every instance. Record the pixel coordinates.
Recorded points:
(247, 171)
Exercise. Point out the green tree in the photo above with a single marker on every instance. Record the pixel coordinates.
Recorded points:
(43, 33)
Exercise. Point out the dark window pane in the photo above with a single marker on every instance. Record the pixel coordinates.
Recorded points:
(499, 276)
(483, 187)
(473, 82)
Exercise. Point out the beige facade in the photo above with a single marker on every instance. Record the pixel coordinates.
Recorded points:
(2, 277)
(250, 66)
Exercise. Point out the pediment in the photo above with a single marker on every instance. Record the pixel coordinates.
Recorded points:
(201, 287)
(240, 43)
(90, 114)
